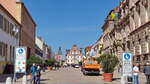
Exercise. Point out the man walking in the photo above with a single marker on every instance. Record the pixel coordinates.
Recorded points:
(147, 72)
(38, 74)
(136, 73)
(33, 72)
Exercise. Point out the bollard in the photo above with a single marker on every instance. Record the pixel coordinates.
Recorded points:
(9, 80)
(24, 79)
(122, 80)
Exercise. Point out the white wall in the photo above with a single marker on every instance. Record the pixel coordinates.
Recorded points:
(39, 43)
(7, 38)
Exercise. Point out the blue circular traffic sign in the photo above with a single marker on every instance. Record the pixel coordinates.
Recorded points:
(20, 51)
(127, 56)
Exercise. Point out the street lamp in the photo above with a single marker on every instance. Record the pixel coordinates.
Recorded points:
(15, 31)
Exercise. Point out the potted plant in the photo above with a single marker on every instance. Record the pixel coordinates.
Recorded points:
(108, 63)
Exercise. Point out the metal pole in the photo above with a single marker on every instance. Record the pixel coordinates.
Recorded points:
(15, 31)
(14, 78)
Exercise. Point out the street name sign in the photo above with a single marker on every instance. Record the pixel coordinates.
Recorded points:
(127, 64)
(20, 61)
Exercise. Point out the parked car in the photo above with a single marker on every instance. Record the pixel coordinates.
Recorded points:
(76, 66)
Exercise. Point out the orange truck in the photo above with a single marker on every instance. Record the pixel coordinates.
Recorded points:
(90, 66)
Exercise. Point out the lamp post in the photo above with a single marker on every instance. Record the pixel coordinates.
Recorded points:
(15, 31)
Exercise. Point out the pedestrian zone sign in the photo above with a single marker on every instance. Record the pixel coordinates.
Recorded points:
(127, 64)
(20, 61)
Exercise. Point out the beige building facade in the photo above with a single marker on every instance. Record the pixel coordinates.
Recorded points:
(74, 55)
(19, 11)
(9, 38)
(130, 32)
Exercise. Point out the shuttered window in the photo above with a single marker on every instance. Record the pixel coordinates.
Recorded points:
(1, 21)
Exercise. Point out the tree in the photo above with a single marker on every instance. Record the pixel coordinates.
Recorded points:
(50, 62)
(34, 59)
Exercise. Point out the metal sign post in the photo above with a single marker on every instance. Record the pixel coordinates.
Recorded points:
(20, 61)
(127, 66)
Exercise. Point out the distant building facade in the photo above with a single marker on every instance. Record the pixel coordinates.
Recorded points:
(74, 55)
(97, 47)
(9, 37)
(58, 55)
(42, 49)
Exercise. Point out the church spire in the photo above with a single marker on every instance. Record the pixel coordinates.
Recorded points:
(59, 51)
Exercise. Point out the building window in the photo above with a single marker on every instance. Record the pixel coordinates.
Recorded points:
(1, 49)
(8, 26)
(10, 59)
(1, 21)
(13, 54)
(145, 57)
(138, 58)
(11, 29)
(5, 50)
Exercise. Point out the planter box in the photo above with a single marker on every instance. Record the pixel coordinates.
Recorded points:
(108, 77)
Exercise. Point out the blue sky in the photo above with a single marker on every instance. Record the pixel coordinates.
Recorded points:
(68, 22)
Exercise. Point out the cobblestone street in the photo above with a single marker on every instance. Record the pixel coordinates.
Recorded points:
(72, 76)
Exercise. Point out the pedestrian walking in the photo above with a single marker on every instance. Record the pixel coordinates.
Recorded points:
(38, 74)
(147, 72)
(55, 65)
(136, 73)
(33, 72)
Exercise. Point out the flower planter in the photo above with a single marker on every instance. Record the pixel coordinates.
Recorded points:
(108, 77)
(50, 68)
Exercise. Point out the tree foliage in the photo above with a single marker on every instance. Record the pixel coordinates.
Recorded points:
(50, 62)
(34, 59)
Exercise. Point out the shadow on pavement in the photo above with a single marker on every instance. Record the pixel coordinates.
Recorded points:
(94, 75)
(42, 83)
(44, 79)
(3, 77)
(114, 79)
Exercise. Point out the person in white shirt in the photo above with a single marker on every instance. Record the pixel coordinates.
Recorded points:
(136, 73)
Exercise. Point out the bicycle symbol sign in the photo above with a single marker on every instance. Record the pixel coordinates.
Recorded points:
(127, 56)
(20, 51)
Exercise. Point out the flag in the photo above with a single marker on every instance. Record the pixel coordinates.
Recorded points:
(113, 15)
